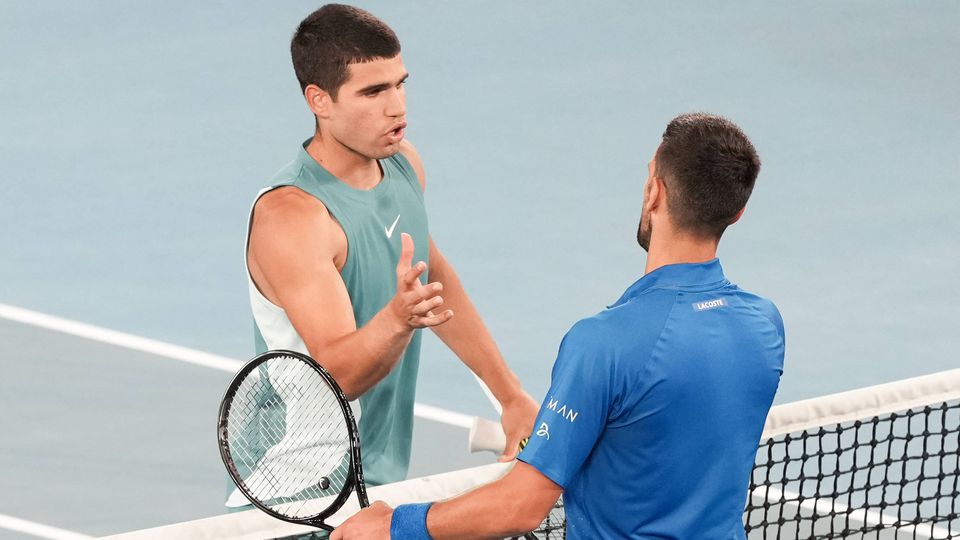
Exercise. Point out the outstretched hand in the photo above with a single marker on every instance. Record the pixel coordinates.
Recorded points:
(517, 421)
(414, 303)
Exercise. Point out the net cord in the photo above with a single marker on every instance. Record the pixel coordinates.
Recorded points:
(866, 402)
(850, 406)
(254, 524)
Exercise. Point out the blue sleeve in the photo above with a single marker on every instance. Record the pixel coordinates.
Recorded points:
(575, 411)
(774, 315)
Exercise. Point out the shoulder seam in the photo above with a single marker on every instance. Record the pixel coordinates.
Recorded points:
(767, 318)
(649, 357)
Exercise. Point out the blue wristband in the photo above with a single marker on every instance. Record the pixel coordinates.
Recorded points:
(409, 522)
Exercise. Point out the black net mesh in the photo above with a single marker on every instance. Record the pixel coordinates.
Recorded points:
(890, 476)
(554, 527)
(893, 476)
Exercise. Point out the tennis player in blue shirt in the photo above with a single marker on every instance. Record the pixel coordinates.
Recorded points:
(657, 403)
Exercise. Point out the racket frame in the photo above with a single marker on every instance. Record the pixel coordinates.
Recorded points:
(354, 475)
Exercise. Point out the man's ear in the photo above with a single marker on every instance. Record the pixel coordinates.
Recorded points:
(318, 100)
(656, 194)
(739, 215)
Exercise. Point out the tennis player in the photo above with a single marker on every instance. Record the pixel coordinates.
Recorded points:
(339, 250)
(656, 405)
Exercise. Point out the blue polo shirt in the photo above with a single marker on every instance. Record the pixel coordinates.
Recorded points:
(656, 406)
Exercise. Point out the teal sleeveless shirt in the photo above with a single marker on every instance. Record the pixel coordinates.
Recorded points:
(372, 221)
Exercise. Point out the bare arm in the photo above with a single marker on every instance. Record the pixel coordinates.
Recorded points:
(513, 505)
(467, 336)
(291, 254)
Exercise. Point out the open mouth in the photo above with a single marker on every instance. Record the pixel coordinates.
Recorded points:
(397, 132)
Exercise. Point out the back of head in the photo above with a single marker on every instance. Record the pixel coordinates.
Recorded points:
(709, 167)
(333, 37)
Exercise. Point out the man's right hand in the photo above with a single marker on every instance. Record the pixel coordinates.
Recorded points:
(413, 305)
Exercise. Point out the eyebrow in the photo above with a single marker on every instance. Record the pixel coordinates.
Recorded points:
(374, 88)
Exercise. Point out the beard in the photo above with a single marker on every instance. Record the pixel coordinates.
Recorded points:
(644, 231)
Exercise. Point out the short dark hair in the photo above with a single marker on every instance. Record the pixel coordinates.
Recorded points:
(709, 167)
(333, 37)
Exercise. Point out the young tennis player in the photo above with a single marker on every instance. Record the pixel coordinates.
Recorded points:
(339, 250)
(656, 406)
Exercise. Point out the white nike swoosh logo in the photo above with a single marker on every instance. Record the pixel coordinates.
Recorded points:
(392, 227)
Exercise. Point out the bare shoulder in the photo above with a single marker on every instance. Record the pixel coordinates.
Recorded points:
(288, 204)
(290, 214)
(410, 152)
(292, 244)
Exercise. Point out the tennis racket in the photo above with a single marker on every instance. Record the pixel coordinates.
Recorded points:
(289, 440)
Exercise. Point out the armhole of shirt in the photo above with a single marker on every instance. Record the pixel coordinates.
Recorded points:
(408, 172)
(333, 210)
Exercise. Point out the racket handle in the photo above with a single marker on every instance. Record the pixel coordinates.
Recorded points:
(488, 436)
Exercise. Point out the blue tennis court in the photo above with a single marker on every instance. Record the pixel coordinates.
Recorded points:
(135, 137)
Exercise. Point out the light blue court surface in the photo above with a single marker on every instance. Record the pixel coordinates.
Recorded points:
(135, 135)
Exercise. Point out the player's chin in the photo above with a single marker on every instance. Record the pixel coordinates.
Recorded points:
(386, 151)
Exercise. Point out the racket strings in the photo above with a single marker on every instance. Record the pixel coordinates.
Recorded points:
(288, 438)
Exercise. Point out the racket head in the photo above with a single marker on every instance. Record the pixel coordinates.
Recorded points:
(288, 437)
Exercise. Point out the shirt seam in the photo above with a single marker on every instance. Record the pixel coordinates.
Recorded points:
(773, 323)
(646, 365)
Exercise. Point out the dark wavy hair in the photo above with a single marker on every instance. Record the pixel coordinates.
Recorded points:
(333, 37)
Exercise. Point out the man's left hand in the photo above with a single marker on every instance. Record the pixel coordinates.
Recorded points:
(371, 523)
(517, 421)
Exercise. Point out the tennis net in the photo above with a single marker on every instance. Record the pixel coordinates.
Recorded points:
(879, 462)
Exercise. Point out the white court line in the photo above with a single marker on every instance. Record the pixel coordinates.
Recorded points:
(183, 354)
(120, 339)
(167, 350)
(429, 412)
(36, 529)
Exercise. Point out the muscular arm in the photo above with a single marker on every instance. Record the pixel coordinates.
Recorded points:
(291, 253)
(513, 505)
(510, 506)
(469, 339)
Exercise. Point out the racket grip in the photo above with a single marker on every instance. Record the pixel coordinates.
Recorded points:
(488, 436)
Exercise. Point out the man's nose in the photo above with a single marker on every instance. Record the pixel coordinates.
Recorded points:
(397, 105)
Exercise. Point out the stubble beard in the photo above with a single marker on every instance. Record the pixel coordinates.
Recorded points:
(644, 233)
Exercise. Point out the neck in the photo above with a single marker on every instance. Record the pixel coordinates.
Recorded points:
(348, 166)
(678, 249)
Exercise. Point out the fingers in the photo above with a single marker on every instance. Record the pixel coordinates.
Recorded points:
(431, 320)
(419, 294)
(414, 306)
(511, 450)
(424, 308)
(406, 252)
(410, 277)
